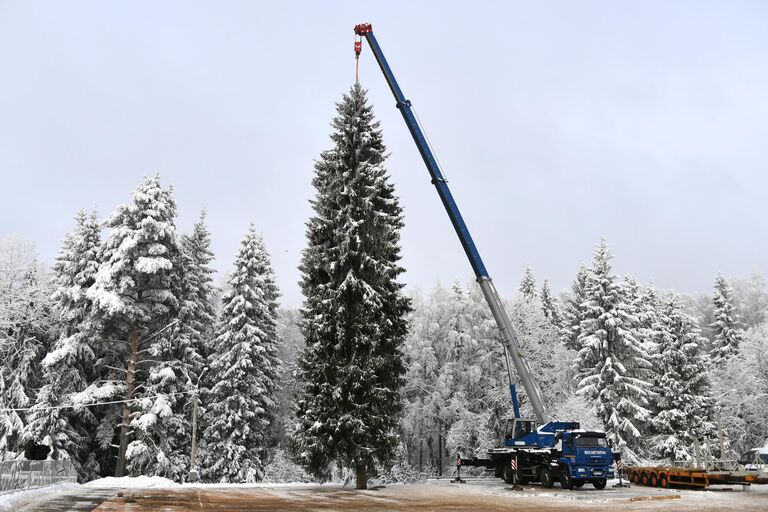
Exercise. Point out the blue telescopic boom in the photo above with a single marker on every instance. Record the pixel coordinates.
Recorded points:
(429, 159)
(508, 334)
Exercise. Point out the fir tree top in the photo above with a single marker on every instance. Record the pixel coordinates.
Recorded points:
(134, 281)
(728, 334)
(528, 284)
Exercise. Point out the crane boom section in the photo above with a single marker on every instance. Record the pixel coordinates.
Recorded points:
(508, 333)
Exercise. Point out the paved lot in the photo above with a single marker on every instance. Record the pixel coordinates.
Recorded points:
(486, 495)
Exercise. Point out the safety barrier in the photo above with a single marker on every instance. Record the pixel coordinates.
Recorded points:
(20, 475)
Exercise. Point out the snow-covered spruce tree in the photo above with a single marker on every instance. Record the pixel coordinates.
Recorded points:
(549, 305)
(612, 364)
(684, 400)
(241, 406)
(726, 326)
(351, 370)
(528, 285)
(197, 313)
(134, 295)
(68, 367)
(573, 311)
(162, 426)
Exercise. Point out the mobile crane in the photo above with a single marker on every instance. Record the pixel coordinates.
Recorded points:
(535, 449)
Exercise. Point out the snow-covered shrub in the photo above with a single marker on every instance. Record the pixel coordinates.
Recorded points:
(281, 469)
(401, 471)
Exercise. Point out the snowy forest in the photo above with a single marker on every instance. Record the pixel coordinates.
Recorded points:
(121, 348)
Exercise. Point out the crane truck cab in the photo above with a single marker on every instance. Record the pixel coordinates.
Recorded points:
(583, 456)
(555, 451)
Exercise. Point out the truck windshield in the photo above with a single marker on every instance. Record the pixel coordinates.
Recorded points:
(591, 442)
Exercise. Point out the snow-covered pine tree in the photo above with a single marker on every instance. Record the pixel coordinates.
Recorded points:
(474, 376)
(742, 384)
(612, 364)
(540, 343)
(134, 295)
(163, 428)
(68, 367)
(241, 406)
(430, 347)
(684, 399)
(528, 285)
(25, 336)
(751, 300)
(291, 343)
(573, 311)
(549, 305)
(726, 328)
(351, 370)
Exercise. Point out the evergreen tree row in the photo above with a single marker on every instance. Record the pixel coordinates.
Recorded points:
(131, 317)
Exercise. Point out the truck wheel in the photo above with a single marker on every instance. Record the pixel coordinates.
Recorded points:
(654, 480)
(566, 482)
(599, 483)
(547, 479)
(644, 478)
(508, 475)
(663, 482)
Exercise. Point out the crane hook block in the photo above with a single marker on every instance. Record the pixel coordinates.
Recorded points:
(363, 29)
(358, 47)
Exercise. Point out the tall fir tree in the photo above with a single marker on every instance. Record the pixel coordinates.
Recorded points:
(134, 294)
(198, 313)
(573, 311)
(549, 305)
(726, 328)
(528, 285)
(163, 427)
(68, 367)
(354, 314)
(241, 404)
(684, 399)
(612, 365)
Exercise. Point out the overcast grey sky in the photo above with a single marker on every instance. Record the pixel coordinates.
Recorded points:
(556, 122)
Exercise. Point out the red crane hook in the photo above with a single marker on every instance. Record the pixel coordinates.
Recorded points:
(358, 49)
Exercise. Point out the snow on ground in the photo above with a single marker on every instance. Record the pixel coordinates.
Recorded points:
(133, 482)
(14, 500)
(153, 493)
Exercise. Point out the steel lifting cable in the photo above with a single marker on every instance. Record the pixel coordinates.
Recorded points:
(429, 143)
(358, 50)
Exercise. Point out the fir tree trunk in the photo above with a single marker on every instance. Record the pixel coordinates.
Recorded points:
(361, 476)
(130, 384)
(440, 453)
